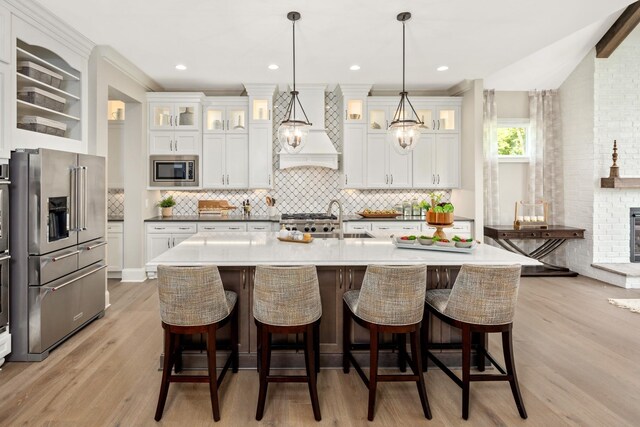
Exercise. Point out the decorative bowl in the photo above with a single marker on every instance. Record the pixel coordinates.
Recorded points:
(445, 244)
(354, 116)
(426, 242)
(464, 244)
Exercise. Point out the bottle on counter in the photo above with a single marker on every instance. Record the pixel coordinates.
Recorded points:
(406, 208)
(416, 210)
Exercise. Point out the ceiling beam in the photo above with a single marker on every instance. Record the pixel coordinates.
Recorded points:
(619, 31)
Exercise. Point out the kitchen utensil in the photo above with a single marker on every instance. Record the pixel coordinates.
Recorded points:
(269, 201)
(378, 215)
(309, 240)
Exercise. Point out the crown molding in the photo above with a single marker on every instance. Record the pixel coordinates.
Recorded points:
(127, 67)
(34, 13)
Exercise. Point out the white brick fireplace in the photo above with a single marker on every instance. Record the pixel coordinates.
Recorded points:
(600, 102)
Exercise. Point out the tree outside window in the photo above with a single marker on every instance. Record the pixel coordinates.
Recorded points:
(512, 138)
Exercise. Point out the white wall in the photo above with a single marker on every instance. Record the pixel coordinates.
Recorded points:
(109, 70)
(577, 106)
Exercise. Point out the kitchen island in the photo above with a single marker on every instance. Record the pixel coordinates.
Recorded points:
(341, 265)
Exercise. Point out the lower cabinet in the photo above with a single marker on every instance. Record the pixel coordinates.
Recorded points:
(162, 236)
(115, 249)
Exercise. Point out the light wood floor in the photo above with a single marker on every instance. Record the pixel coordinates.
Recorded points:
(578, 359)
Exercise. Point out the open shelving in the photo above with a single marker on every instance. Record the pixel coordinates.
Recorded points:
(70, 89)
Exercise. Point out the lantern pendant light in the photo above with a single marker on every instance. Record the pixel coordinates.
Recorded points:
(404, 132)
(293, 131)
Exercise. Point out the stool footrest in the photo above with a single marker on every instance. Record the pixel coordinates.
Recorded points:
(287, 379)
(397, 378)
(189, 378)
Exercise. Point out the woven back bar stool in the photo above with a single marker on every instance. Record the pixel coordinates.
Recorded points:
(390, 301)
(193, 301)
(482, 300)
(286, 300)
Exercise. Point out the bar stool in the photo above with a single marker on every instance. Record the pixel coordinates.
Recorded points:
(193, 301)
(287, 300)
(482, 300)
(390, 300)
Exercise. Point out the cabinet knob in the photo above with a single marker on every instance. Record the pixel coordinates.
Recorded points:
(576, 234)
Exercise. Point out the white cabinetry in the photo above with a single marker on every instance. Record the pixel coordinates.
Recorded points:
(354, 133)
(390, 228)
(385, 167)
(5, 35)
(174, 123)
(436, 161)
(225, 161)
(260, 135)
(260, 226)
(225, 114)
(162, 236)
(459, 228)
(5, 105)
(436, 158)
(38, 49)
(115, 248)
(222, 226)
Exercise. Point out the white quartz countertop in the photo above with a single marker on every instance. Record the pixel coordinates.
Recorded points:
(248, 249)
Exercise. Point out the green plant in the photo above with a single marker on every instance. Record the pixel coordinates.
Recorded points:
(167, 202)
(425, 205)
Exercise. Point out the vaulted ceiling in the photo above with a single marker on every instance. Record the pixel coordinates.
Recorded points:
(513, 44)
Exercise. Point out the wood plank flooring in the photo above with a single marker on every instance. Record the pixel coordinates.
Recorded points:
(578, 361)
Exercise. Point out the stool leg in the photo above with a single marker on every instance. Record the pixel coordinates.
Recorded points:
(402, 352)
(424, 339)
(507, 348)
(309, 344)
(466, 369)
(177, 351)
(263, 340)
(166, 373)
(417, 358)
(259, 347)
(316, 344)
(234, 340)
(481, 351)
(373, 371)
(346, 337)
(213, 378)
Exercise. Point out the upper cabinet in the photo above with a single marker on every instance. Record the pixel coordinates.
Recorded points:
(226, 115)
(442, 116)
(50, 88)
(181, 115)
(5, 35)
(353, 103)
(260, 135)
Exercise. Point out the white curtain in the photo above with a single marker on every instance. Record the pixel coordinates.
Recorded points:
(545, 165)
(490, 148)
(545, 150)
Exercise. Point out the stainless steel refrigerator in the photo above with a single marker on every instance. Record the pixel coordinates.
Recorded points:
(57, 238)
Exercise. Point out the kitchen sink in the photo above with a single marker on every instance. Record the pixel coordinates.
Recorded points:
(346, 235)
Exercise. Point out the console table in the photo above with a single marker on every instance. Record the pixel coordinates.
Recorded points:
(554, 237)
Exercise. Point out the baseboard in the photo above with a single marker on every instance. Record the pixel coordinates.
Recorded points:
(114, 274)
(134, 275)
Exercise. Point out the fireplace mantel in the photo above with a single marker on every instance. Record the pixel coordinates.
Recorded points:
(618, 182)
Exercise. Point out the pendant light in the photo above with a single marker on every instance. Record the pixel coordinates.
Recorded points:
(293, 132)
(404, 131)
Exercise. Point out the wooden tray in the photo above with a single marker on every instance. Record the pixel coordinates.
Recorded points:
(381, 215)
(434, 247)
(296, 241)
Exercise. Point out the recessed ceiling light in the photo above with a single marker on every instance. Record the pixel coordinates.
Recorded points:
(354, 67)
(181, 67)
(273, 67)
(442, 68)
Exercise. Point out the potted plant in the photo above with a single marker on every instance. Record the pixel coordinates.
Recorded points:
(167, 205)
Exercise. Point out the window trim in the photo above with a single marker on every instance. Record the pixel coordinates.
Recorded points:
(515, 122)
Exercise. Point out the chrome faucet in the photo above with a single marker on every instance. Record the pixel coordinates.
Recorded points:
(331, 203)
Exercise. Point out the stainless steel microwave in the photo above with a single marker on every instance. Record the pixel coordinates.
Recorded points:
(173, 171)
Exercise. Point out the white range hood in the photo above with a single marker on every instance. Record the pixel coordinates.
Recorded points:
(319, 150)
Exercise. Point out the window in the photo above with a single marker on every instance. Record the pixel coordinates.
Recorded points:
(512, 139)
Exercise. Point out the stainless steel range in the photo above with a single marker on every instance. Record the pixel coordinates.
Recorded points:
(310, 222)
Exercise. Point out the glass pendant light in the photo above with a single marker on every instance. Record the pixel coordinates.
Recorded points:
(404, 131)
(293, 132)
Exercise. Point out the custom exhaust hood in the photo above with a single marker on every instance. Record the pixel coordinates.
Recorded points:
(318, 150)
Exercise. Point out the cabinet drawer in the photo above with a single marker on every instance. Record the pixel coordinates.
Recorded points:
(352, 227)
(114, 227)
(91, 252)
(45, 268)
(525, 234)
(564, 234)
(159, 228)
(260, 226)
(221, 226)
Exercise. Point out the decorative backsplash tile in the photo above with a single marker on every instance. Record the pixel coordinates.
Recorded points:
(302, 189)
(115, 202)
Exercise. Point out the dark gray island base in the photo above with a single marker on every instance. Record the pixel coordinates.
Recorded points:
(334, 281)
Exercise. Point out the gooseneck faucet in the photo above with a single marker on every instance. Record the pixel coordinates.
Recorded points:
(331, 203)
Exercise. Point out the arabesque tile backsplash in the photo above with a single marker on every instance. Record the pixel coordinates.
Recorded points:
(302, 189)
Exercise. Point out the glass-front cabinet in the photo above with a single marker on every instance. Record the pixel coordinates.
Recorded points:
(174, 116)
(378, 118)
(226, 116)
(448, 119)
(354, 110)
(261, 110)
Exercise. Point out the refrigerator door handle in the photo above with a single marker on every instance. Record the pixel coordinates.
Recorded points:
(82, 198)
(72, 223)
(75, 279)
